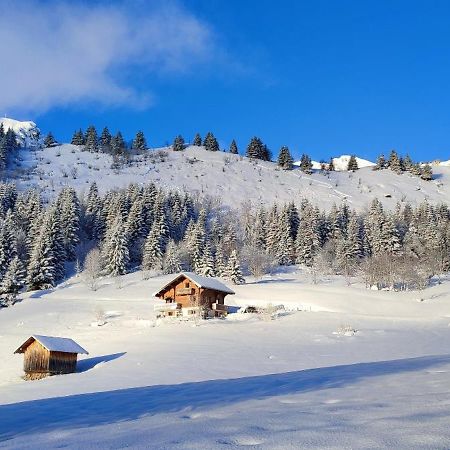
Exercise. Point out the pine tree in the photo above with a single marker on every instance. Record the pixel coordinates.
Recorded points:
(115, 253)
(306, 164)
(118, 146)
(69, 209)
(91, 140)
(210, 143)
(46, 266)
(220, 261)
(427, 173)
(197, 140)
(207, 268)
(105, 140)
(178, 144)
(331, 165)
(49, 140)
(14, 278)
(8, 249)
(380, 164)
(234, 148)
(153, 250)
(285, 160)
(139, 142)
(233, 270)
(394, 162)
(78, 138)
(257, 150)
(407, 163)
(171, 262)
(352, 163)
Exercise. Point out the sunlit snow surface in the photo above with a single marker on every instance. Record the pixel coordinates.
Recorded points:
(232, 178)
(243, 382)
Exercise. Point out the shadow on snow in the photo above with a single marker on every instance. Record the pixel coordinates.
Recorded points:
(89, 363)
(98, 408)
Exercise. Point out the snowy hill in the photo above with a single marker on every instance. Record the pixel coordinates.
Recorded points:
(27, 132)
(233, 178)
(341, 163)
(294, 382)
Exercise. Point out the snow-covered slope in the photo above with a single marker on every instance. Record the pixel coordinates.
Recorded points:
(27, 132)
(294, 382)
(233, 178)
(341, 163)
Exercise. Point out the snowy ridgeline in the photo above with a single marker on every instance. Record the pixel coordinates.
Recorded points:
(27, 133)
(304, 380)
(231, 178)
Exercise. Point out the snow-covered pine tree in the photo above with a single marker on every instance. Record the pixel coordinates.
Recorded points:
(178, 143)
(285, 160)
(14, 277)
(352, 163)
(46, 266)
(255, 148)
(307, 241)
(197, 140)
(115, 253)
(210, 143)
(330, 167)
(220, 264)
(153, 252)
(233, 271)
(285, 247)
(394, 163)
(105, 140)
(306, 164)
(171, 263)
(234, 148)
(139, 142)
(426, 173)
(207, 264)
(8, 249)
(91, 140)
(78, 138)
(50, 140)
(69, 208)
(380, 163)
(407, 163)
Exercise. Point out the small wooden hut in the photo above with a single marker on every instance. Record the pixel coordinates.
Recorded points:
(190, 292)
(48, 355)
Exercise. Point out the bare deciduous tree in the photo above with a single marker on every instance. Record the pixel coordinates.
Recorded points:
(91, 269)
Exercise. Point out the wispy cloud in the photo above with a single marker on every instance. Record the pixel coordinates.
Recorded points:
(61, 53)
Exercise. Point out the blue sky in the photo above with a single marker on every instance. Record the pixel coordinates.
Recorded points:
(323, 77)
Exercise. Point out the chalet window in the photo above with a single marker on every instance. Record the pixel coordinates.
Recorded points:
(186, 285)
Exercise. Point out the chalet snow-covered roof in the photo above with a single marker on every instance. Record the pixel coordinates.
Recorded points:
(201, 282)
(53, 344)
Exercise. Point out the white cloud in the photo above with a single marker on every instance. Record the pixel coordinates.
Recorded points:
(57, 54)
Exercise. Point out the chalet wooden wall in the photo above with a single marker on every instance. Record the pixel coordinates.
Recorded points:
(186, 293)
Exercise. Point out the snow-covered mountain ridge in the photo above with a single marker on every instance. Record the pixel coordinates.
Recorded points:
(233, 178)
(27, 132)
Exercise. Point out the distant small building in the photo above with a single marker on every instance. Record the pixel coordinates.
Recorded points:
(48, 355)
(188, 292)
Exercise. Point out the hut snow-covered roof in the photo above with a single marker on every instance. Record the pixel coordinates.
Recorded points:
(53, 344)
(201, 282)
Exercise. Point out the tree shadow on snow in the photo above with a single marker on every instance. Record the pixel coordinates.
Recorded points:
(98, 408)
(89, 363)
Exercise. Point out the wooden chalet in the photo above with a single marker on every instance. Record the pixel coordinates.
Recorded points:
(48, 355)
(188, 293)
